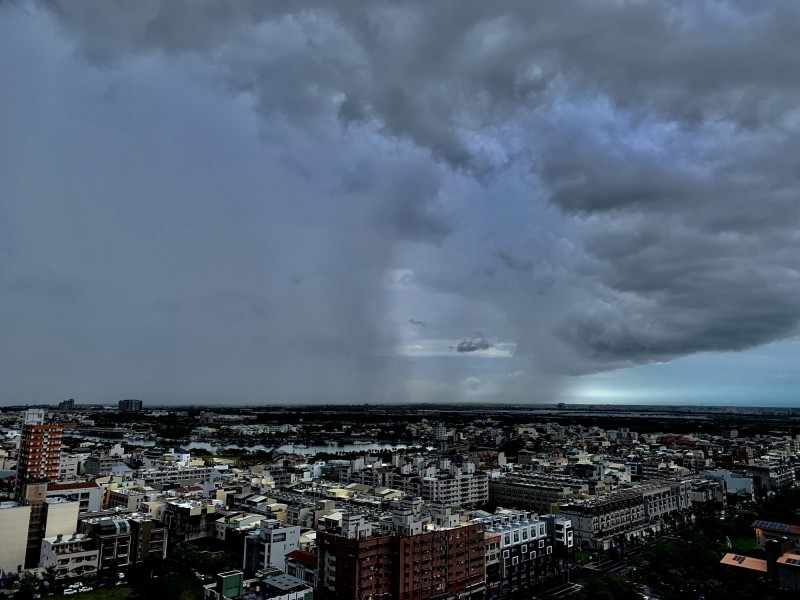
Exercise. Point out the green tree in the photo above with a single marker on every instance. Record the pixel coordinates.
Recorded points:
(152, 589)
(50, 577)
(28, 586)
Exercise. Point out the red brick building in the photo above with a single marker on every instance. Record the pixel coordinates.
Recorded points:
(37, 465)
(39, 453)
(444, 561)
(440, 562)
(356, 568)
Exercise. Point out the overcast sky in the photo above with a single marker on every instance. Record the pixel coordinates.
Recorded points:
(314, 201)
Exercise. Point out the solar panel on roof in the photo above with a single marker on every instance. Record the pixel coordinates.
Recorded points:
(774, 526)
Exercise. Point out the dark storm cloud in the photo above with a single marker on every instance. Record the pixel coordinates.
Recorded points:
(665, 133)
(406, 200)
(514, 263)
(473, 345)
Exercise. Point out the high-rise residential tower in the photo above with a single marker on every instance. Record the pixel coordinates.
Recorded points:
(38, 464)
(130, 405)
(39, 452)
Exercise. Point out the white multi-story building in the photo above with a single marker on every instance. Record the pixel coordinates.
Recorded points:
(445, 483)
(519, 547)
(597, 522)
(87, 493)
(269, 545)
(72, 556)
(666, 498)
(71, 465)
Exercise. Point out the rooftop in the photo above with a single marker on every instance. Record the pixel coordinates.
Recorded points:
(789, 559)
(307, 558)
(77, 485)
(744, 562)
(777, 527)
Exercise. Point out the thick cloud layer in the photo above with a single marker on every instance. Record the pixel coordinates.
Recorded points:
(473, 345)
(611, 184)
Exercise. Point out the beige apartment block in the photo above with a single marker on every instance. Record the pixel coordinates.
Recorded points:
(14, 527)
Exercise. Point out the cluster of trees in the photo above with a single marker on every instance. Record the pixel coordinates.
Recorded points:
(608, 587)
(690, 568)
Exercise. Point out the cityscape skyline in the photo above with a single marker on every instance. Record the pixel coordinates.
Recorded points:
(272, 203)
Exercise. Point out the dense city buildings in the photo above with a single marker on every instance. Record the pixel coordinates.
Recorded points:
(67, 405)
(451, 507)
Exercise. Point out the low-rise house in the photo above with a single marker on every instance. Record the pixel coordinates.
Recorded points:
(72, 556)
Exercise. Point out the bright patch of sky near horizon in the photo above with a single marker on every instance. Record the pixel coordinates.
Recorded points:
(275, 207)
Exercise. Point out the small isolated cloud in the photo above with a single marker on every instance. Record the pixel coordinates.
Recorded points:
(416, 322)
(474, 345)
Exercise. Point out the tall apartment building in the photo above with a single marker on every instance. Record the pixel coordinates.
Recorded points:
(67, 405)
(39, 452)
(38, 463)
(130, 405)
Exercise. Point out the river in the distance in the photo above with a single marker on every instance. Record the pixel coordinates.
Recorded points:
(298, 449)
